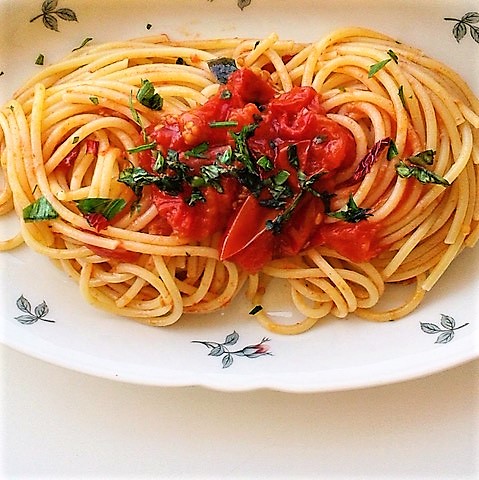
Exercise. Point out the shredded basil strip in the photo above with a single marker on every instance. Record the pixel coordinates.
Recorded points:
(352, 213)
(104, 206)
(393, 56)
(39, 210)
(40, 59)
(256, 309)
(148, 97)
(392, 150)
(373, 69)
(85, 41)
(401, 96)
(425, 158)
(142, 148)
(198, 151)
(423, 175)
(225, 123)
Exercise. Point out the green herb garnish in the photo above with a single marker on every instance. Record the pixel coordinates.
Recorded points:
(256, 309)
(225, 123)
(392, 150)
(373, 69)
(104, 206)
(198, 151)
(148, 97)
(142, 148)
(352, 213)
(39, 210)
(421, 174)
(425, 158)
(40, 59)
(401, 96)
(86, 41)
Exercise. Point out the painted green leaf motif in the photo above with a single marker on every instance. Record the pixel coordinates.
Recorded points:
(41, 310)
(467, 21)
(217, 351)
(243, 3)
(67, 14)
(445, 337)
(27, 319)
(231, 339)
(49, 5)
(221, 349)
(39, 313)
(227, 360)
(429, 328)
(50, 22)
(446, 333)
(23, 304)
(50, 15)
(448, 322)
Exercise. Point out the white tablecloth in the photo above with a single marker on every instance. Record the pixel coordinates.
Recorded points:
(59, 424)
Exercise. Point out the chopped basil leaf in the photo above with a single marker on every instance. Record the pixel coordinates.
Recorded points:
(134, 114)
(373, 69)
(226, 123)
(75, 140)
(226, 156)
(281, 177)
(421, 174)
(136, 178)
(276, 224)
(94, 100)
(423, 159)
(292, 153)
(256, 309)
(160, 162)
(39, 210)
(392, 150)
(211, 175)
(352, 213)
(265, 163)
(401, 96)
(241, 151)
(104, 206)
(180, 61)
(40, 59)
(393, 56)
(195, 197)
(87, 40)
(306, 183)
(147, 96)
(222, 68)
(142, 148)
(198, 151)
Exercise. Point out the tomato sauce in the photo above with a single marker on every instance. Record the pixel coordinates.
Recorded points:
(293, 132)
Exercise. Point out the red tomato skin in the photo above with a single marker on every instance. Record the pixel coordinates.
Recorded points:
(200, 220)
(255, 255)
(292, 118)
(356, 241)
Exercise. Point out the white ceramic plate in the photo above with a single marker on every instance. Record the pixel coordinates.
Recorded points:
(42, 313)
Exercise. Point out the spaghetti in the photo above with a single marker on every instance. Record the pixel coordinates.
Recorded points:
(101, 151)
